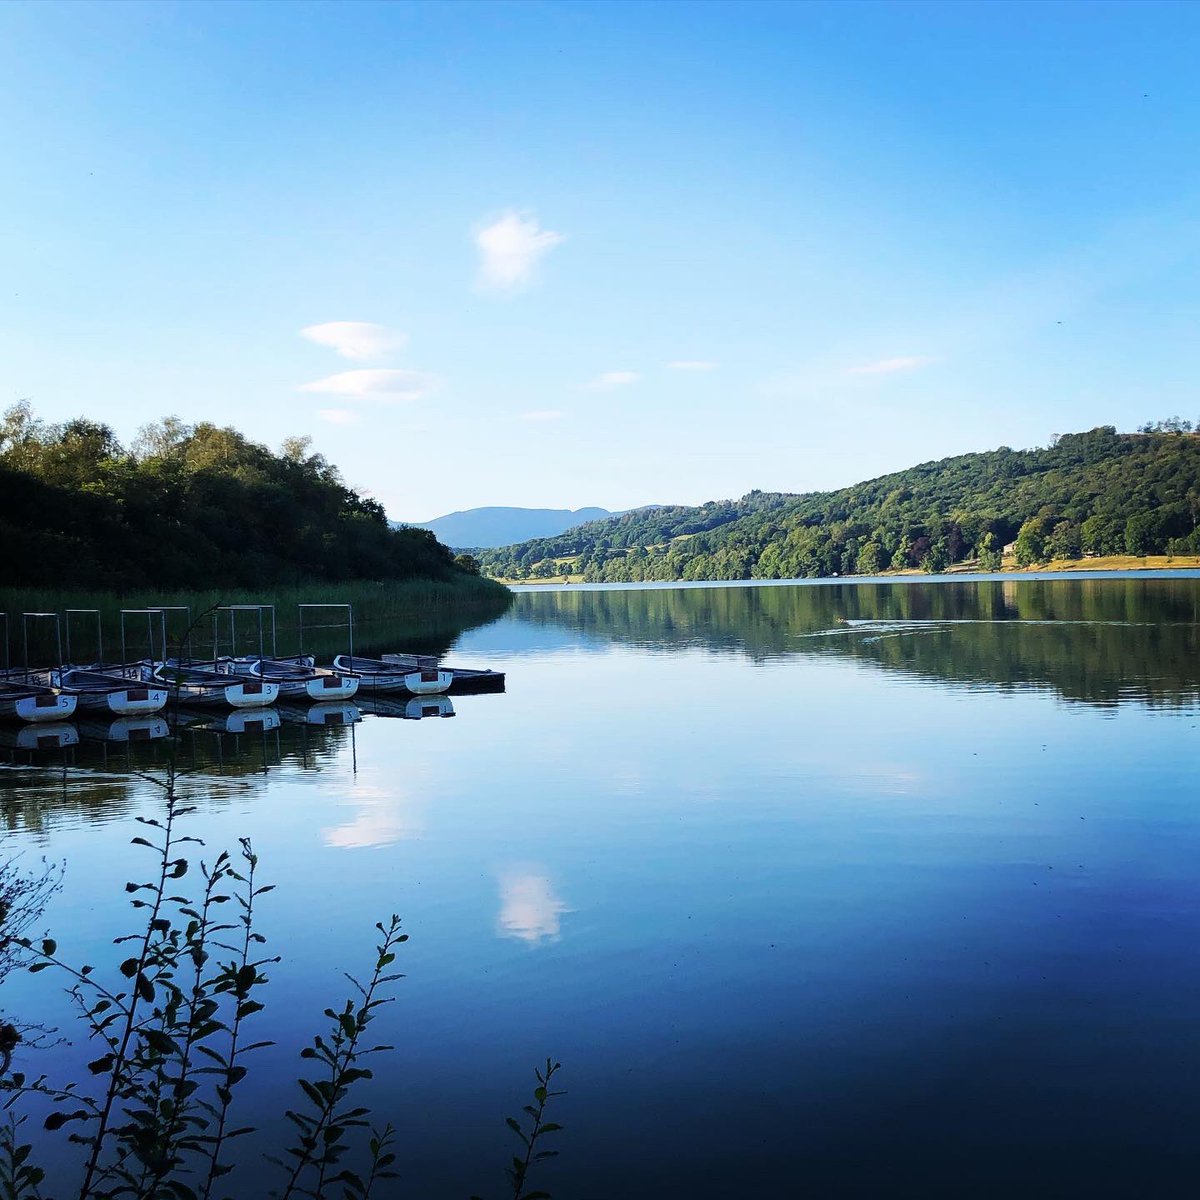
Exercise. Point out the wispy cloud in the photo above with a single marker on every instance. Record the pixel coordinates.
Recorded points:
(692, 364)
(542, 414)
(888, 366)
(379, 384)
(510, 250)
(358, 340)
(613, 379)
(338, 416)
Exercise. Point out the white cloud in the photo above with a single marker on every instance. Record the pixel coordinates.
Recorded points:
(692, 364)
(359, 340)
(889, 366)
(542, 414)
(338, 416)
(612, 379)
(510, 250)
(529, 909)
(378, 384)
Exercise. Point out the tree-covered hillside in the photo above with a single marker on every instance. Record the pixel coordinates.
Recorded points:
(1099, 492)
(188, 507)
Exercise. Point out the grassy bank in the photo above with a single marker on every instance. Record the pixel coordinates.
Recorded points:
(1120, 562)
(425, 615)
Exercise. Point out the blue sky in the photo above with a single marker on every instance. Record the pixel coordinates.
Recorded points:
(568, 254)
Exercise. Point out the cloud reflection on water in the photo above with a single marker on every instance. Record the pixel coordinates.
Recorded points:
(529, 908)
(383, 816)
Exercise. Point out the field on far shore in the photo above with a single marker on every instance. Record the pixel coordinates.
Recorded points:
(1111, 562)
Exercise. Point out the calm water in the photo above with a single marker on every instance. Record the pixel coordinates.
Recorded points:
(904, 903)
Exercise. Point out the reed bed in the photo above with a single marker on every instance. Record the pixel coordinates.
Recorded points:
(422, 614)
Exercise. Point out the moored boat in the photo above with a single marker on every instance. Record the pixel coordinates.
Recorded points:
(108, 693)
(199, 686)
(299, 682)
(463, 680)
(377, 675)
(34, 702)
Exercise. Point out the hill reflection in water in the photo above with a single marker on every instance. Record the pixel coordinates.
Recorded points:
(859, 889)
(1099, 642)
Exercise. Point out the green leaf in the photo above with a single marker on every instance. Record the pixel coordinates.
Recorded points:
(158, 1041)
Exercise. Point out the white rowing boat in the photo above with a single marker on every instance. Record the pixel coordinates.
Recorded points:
(376, 675)
(34, 702)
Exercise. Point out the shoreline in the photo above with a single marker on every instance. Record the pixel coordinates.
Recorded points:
(1112, 567)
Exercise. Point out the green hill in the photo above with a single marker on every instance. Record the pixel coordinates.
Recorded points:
(189, 507)
(1099, 492)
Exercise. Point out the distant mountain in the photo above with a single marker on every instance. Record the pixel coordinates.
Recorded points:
(487, 528)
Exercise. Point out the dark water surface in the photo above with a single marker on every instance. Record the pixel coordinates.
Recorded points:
(850, 890)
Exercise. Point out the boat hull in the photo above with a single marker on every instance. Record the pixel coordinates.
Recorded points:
(43, 708)
(318, 688)
(380, 678)
(231, 693)
(428, 683)
(122, 702)
(464, 681)
(296, 679)
(110, 695)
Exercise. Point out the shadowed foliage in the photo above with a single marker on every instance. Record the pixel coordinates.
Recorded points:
(79, 509)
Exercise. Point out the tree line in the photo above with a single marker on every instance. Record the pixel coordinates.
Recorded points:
(1094, 493)
(188, 506)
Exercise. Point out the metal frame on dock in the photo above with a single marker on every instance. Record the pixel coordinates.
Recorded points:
(348, 623)
(26, 617)
(233, 610)
(95, 612)
(186, 641)
(149, 614)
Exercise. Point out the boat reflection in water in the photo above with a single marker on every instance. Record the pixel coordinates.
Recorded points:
(126, 729)
(239, 721)
(205, 743)
(415, 709)
(53, 736)
(337, 712)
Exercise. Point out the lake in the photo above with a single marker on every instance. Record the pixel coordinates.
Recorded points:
(855, 889)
